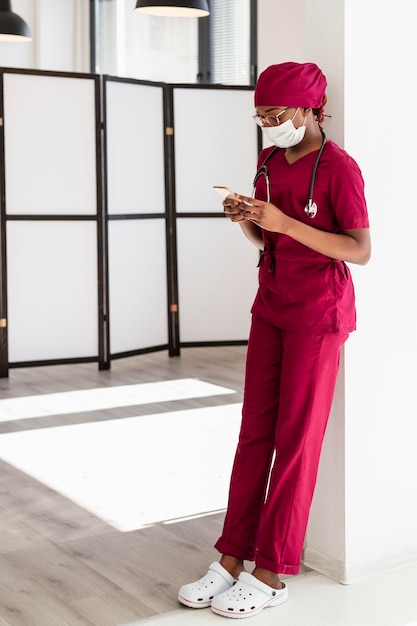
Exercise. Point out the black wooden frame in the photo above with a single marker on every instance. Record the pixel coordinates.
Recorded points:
(103, 357)
(102, 219)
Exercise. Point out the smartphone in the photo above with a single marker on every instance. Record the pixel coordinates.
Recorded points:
(225, 192)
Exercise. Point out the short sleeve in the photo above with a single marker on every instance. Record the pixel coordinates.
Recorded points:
(347, 193)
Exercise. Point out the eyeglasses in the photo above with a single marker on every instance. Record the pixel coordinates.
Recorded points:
(269, 120)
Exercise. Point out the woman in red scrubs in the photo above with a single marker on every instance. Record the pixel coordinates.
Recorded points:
(308, 217)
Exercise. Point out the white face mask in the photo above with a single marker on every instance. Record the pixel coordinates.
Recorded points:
(285, 135)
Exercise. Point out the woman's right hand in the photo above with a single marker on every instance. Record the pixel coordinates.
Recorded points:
(232, 210)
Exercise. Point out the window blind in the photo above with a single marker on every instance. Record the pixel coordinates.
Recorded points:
(166, 49)
(230, 41)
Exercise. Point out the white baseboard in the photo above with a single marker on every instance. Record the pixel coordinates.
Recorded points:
(348, 573)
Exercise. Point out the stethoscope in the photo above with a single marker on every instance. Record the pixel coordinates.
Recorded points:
(311, 207)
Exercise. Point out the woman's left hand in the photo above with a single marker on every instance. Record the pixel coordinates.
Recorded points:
(264, 214)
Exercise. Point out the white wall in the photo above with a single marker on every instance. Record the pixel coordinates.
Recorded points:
(60, 30)
(280, 32)
(293, 31)
(381, 425)
(364, 515)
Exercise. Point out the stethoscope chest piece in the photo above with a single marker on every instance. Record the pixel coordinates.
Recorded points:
(311, 209)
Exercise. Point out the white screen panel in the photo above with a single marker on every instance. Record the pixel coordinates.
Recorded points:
(135, 148)
(215, 144)
(50, 145)
(217, 280)
(138, 285)
(52, 290)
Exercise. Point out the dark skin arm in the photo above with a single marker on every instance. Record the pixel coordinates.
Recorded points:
(353, 246)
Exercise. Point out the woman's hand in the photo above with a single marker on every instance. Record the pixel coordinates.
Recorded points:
(264, 214)
(353, 246)
(232, 210)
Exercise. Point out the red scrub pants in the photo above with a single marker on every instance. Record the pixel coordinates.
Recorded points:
(289, 387)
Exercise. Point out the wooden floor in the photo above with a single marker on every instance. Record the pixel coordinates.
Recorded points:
(60, 564)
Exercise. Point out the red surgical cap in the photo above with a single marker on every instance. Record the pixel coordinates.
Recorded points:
(291, 84)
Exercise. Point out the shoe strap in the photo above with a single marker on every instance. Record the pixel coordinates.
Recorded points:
(219, 569)
(248, 579)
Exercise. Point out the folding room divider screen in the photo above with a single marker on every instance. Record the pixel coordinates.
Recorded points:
(112, 241)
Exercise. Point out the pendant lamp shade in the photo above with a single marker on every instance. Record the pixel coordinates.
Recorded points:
(178, 8)
(12, 27)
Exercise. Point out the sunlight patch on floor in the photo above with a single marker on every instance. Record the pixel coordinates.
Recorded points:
(101, 398)
(135, 471)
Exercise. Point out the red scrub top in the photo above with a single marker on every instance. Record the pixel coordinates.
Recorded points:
(301, 290)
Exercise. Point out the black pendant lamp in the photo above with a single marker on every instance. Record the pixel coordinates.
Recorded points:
(12, 27)
(178, 8)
